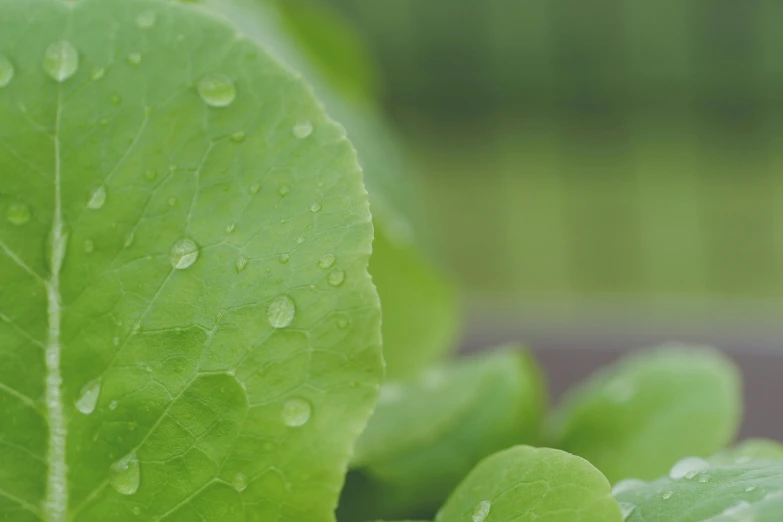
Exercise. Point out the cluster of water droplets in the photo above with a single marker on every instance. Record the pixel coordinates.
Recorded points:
(481, 511)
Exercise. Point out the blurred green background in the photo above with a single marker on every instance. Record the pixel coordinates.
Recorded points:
(618, 155)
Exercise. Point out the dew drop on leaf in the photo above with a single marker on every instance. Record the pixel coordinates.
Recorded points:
(113, 405)
(750, 489)
(240, 482)
(6, 71)
(172, 201)
(217, 90)
(704, 478)
(115, 99)
(627, 509)
(88, 397)
(299, 240)
(296, 412)
(136, 510)
(283, 190)
(626, 485)
(125, 475)
(481, 511)
(688, 465)
(254, 188)
(284, 258)
(238, 137)
(327, 261)
(134, 59)
(61, 59)
(336, 278)
(97, 199)
(146, 19)
(342, 323)
(230, 228)
(280, 312)
(667, 495)
(302, 129)
(17, 214)
(150, 174)
(315, 207)
(240, 264)
(183, 254)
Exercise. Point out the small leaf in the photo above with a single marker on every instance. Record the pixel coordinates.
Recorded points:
(427, 433)
(638, 417)
(749, 491)
(527, 484)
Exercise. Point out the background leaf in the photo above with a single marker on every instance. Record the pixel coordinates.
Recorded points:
(187, 326)
(745, 491)
(419, 306)
(639, 416)
(527, 484)
(426, 434)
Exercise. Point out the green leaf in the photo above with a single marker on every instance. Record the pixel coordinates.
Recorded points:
(702, 491)
(426, 434)
(187, 327)
(419, 307)
(527, 484)
(639, 416)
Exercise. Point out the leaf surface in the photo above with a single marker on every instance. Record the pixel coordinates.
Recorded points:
(187, 327)
(745, 491)
(527, 484)
(639, 416)
(420, 312)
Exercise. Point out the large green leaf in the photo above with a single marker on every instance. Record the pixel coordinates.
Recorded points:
(527, 484)
(697, 490)
(419, 306)
(638, 417)
(427, 434)
(187, 327)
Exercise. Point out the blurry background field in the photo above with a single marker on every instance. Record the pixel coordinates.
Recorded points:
(598, 175)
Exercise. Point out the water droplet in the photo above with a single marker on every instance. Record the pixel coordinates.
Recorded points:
(240, 482)
(172, 201)
(125, 475)
(315, 207)
(146, 19)
(254, 188)
(704, 477)
(97, 199)
(17, 214)
(627, 509)
(113, 405)
(281, 311)
(61, 60)
(284, 258)
(327, 261)
(481, 511)
(750, 489)
(296, 412)
(238, 137)
(217, 90)
(97, 74)
(136, 510)
(302, 129)
(88, 397)
(320, 184)
(115, 99)
(687, 465)
(240, 264)
(129, 239)
(342, 323)
(230, 228)
(150, 174)
(737, 508)
(89, 246)
(667, 495)
(336, 278)
(134, 59)
(299, 240)
(283, 190)
(626, 485)
(183, 254)
(6, 71)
